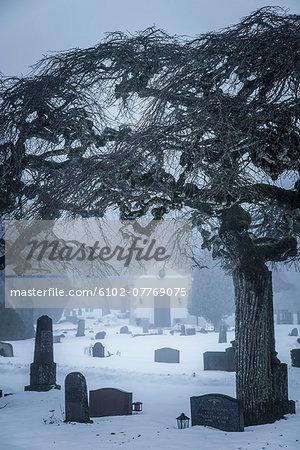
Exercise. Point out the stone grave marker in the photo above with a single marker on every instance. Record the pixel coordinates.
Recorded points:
(294, 332)
(217, 411)
(43, 369)
(223, 334)
(76, 401)
(6, 350)
(56, 339)
(190, 331)
(110, 402)
(166, 355)
(295, 356)
(230, 359)
(98, 350)
(1, 393)
(182, 330)
(80, 328)
(214, 361)
(100, 335)
(124, 330)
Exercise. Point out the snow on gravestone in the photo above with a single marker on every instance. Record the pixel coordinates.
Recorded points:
(76, 401)
(98, 350)
(166, 355)
(110, 402)
(6, 350)
(217, 411)
(43, 369)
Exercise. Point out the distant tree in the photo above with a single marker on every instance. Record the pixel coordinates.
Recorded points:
(212, 296)
(150, 124)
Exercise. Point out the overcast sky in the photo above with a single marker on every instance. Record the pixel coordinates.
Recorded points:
(30, 29)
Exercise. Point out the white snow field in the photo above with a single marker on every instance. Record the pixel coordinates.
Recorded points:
(35, 420)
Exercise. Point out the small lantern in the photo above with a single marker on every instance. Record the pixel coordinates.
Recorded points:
(137, 406)
(182, 421)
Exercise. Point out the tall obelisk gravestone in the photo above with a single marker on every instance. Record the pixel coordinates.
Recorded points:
(43, 369)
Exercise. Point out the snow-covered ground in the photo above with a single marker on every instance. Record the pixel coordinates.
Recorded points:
(33, 420)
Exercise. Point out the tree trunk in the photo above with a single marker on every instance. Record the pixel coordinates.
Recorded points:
(261, 380)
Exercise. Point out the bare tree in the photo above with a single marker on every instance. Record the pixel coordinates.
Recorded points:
(150, 124)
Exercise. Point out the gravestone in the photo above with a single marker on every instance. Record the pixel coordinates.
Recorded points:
(214, 361)
(43, 369)
(80, 328)
(56, 339)
(100, 335)
(124, 330)
(298, 340)
(76, 401)
(294, 332)
(145, 325)
(6, 350)
(162, 311)
(223, 334)
(202, 330)
(217, 411)
(98, 350)
(166, 355)
(1, 393)
(190, 331)
(295, 355)
(110, 402)
(230, 359)
(182, 330)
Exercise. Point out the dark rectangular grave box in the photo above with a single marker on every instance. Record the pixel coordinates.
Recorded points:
(110, 402)
(166, 355)
(215, 361)
(217, 411)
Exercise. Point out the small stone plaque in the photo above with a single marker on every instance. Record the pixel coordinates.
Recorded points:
(217, 411)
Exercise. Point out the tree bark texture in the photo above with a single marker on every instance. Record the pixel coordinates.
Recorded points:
(261, 380)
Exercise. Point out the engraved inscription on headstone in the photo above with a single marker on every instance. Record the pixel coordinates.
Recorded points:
(218, 411)
(43, 369)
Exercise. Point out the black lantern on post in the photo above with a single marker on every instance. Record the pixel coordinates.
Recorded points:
(182, 421)
(137, 406)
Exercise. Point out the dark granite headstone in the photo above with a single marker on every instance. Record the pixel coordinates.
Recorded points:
(56, 339)
(124, 330)
(100, 335)
(110, 402)
(80, 328)
(214, 361)
(43, 369)
(98, 350)
(223, 334)
(230, 359)
(217, 411)
(166, 355)
(294, 332)
(298, 340)
(295, 355)
(76, 401)
(190, 331)
(0, 393)
(6, 350)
